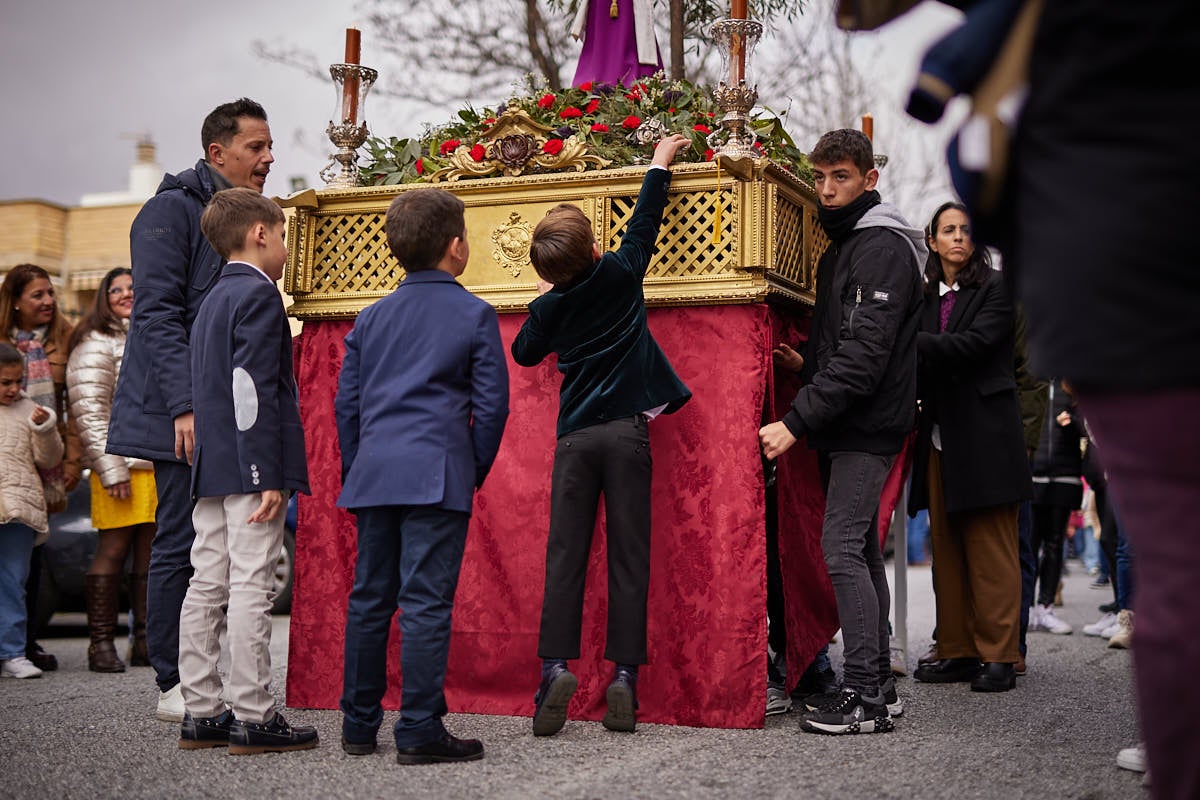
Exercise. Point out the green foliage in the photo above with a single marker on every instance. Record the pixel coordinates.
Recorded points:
(603, 116)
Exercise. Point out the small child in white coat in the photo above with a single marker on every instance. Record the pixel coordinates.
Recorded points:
(28, 441)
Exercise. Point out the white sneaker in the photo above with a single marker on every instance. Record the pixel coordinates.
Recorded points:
(1112, 630)
(1048, 621)
(1098, 627)
(1133, 758)
(170, 705)
(778, 700)
(1034, 618)
(19, 667)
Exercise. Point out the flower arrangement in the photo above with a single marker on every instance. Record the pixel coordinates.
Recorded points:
(604, 117)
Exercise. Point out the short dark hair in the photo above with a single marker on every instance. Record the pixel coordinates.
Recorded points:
(10, 356)
(846, 144)
(973, 273)
(232, 213)
(421, 224)
(100, 316)
(561, 247)
(221, 124)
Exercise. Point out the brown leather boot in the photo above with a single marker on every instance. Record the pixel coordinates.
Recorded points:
(138, 655)
(100, 594)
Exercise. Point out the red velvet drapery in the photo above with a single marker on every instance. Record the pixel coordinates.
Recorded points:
(707, 634)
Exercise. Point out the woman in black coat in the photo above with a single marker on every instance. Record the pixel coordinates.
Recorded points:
(971, 469)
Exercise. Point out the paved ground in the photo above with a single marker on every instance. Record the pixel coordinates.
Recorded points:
(74, 734)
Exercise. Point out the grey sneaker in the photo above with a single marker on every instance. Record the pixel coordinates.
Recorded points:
(778, 700)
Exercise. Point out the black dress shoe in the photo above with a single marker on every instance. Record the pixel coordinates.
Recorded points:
(622, 702)
(357, 748)
(272, 736)
(197, 733)
(995, 676)
(550, 702)
(44, 661)
(447, 748)
(948, 670)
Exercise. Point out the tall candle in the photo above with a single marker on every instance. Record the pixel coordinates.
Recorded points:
(738, 9)
(737, 54)
(868, 126)
(350, 87)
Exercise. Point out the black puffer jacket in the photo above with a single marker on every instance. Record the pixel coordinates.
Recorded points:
(1058, 463)
(860, 369)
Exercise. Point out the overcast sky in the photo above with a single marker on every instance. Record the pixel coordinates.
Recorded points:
(81, 81)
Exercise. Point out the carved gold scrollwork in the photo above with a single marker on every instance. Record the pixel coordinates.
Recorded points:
(512, 244)
(515, 144)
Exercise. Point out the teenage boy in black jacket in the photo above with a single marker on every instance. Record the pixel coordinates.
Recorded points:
(856, 408)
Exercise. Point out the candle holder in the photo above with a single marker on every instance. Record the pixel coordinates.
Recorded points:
(736, 40)
(351, 83)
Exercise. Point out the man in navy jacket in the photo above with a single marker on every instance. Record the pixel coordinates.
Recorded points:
(174, 267)
(421, 404)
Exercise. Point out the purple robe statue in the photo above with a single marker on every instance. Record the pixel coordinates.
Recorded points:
(617, 49)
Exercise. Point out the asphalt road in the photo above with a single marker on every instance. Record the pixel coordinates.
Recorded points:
(75, 734)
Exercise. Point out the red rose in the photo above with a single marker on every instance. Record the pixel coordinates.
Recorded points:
(641, 88)
(593, 107)
(546, 101)
(420, 165)
(448, 146)
(570, 112)
(633, 96)
(599, 127)
(586, 86)
(478, 152)
(671, 110)
(631, 122)
(711, 114)
(708, 155)
(552, 146)
(702, 128)
(490, 121)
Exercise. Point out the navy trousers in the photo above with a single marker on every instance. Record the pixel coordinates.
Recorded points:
(408, 558)
(170, 569)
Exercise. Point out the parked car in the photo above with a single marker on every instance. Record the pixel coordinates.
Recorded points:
(72, 543)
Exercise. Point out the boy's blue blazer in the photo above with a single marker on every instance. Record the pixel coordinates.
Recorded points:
(422, 398)
(248, 433)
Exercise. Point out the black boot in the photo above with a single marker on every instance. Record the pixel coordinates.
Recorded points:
(138, 656)
(994, 677)
(100, 595)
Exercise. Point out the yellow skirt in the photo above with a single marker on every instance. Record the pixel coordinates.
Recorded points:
(136, 509)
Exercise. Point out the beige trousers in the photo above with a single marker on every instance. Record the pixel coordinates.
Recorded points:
(234, 565)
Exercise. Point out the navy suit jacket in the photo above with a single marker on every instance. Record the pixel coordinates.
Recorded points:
(422, 398)
(248, 433)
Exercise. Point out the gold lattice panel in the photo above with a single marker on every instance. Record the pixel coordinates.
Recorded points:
(818, 241)
(353, 254)
(789, 243)
(688, 241)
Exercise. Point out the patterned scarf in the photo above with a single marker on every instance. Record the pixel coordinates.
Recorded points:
(38, 383)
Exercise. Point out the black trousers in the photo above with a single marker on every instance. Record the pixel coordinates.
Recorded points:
(613, 459)
(1049, 530)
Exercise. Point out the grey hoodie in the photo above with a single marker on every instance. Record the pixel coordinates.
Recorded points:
(886, 215)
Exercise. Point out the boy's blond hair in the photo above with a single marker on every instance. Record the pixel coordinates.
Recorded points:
(561, 247)
(232, 213)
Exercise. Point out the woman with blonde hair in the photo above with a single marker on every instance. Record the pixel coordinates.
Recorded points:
(30, 321)
(123, 494)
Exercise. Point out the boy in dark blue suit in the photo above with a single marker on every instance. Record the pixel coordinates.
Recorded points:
(592, 313)
(249, 453)
(421, 404)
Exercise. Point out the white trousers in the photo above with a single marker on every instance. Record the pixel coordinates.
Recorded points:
(234, 566)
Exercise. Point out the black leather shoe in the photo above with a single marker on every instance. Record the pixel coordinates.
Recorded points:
(357, 748)
(197, 733)
(272, 736)
(44, 661)
(995, 676)
(550, 702)
(622, 702)
(447, 748)
(948, 670)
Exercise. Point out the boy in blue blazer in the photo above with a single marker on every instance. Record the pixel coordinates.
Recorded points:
(421, 404)
(592, 313)
(249, 454)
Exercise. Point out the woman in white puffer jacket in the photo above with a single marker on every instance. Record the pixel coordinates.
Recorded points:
(123, 493)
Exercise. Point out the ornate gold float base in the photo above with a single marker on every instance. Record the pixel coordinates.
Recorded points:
(722, 241)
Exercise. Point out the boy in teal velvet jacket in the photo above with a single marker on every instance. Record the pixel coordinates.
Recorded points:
(592, 314)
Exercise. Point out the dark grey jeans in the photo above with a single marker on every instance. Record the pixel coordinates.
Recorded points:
(850, 542)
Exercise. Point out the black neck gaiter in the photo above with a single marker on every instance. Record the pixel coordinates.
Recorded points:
(839, 222)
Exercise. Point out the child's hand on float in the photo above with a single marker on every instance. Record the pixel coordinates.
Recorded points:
(668, 146)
